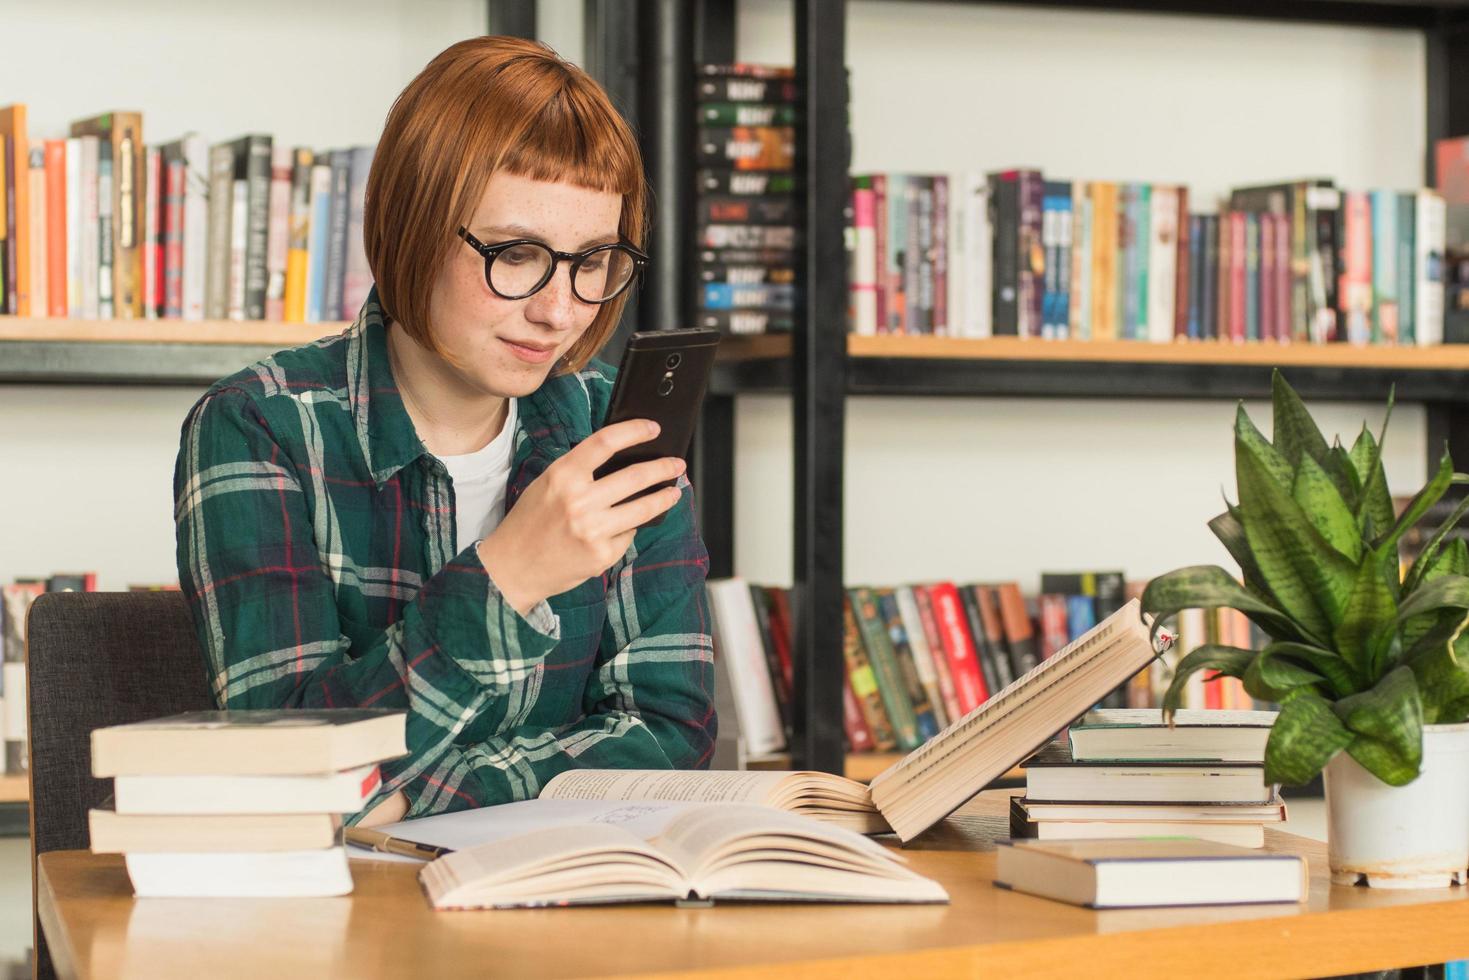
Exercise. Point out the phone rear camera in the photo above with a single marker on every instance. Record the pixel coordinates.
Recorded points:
(674, 360)
(665, 387)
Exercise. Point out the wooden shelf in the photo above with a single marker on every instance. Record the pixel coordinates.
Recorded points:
(160, 352)
(924, 365)
(15, 788)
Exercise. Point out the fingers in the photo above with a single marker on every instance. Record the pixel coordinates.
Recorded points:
(601, 445)
(617, 487)
(631, 515)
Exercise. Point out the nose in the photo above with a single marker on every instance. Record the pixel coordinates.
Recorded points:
(554, 305)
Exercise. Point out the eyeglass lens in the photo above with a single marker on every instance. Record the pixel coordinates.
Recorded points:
(519, 270)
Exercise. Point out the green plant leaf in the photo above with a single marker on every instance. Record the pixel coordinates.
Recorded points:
(1444, 592)
(1439, 665)
(1344, 475)
(1328, 664)
(1306, 734)
(1310, 579)
(1387, 721)
(1420, 504)
(1209, 587)
(1429, 554)
(1231, 534)
(1374, 511)
(1367, 628)
(1271, 677)
(1294, 433)
(1324, 507)
(1270, 459)
(1232, 661)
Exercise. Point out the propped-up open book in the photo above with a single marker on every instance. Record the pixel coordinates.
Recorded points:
(573, 852)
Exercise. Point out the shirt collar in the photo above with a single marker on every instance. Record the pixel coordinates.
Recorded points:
(386, 433)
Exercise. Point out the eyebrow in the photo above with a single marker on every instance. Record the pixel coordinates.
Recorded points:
(485, 232)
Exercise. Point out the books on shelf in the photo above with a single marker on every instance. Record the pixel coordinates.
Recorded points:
(1137, 873)
(918, 657)
(261, 819)
(1019, 253)
(556, 852)
(106, 225)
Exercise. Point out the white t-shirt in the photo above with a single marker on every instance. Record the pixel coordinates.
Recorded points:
(479, 483)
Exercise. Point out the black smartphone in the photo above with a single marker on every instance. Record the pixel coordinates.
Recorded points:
(662, 377)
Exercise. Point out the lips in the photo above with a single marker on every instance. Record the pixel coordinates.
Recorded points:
(538, 348)
(529, 353)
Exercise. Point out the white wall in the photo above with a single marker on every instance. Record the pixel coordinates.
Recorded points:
(962, 488)
(1003, 488)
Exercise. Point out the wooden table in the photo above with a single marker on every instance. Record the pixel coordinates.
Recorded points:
(386, 928)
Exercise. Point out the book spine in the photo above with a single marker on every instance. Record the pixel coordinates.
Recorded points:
(1356, 281)
(859, 736)
(357, 277)
(1184, 282)
(777, 297)
(923, 661)
(1032, 266)
(1428, 263)
(1142, 274)
(316, 262)
(56, 229)
(1384, 267)
(994, 652)
(36, 222)
(300, 237)
(1224, 276)
(74, 153)
(885, 667)
(1194, 319)
(1019, 633)
(1053, 632)
(862, 276)
(976, 257)
(897, 252)
(1004, 212)
(258, 153)
(880, 288)
(176, 191)
(278, 236)
(940, 321)
(863, 681)
(7, 253)
(760, 603)
(1209, 287)
(1239, 277)
(221, 211)
(1104, 261)
(1407, 276)
(747, 321)
(1325, 206)
(747, 90)
(746, 114)
(1162, 264)
(917, 695)
(1079, 305)
(748, 184)
(948, 693)
(106, 279)
(129, 176)
(239, 247)
(91, 160)
(197, 224)
(959, 648)
(153, 205)
(18, 213)
(747, 147)
(1267, 277)
(336, 255)
(1050, 247)
(783, 633)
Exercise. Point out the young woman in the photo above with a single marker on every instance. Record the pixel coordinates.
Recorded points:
(404, 516)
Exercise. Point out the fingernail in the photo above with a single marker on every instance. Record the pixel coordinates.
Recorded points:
(652, 428)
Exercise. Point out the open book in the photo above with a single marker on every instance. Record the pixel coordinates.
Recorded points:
(933, 780)
(572, 852)
(833, 799)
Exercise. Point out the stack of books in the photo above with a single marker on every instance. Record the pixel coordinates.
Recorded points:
(1124, 773)
(239, 803)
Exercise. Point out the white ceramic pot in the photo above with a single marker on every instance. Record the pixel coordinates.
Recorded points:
(1413, 836)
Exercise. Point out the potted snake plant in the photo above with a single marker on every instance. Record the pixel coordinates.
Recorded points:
(1367, 659)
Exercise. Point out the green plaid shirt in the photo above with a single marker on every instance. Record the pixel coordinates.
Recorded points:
(316, 548)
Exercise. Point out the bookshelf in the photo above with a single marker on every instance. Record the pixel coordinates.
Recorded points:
(820, 366)
(155, 352)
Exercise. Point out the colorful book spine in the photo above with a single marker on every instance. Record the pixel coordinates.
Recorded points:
(863, 682)
(356, 274)
(298, 246)
(917, 694)
(278, 231)
(56, 229)
(958, 647)
(884, 660)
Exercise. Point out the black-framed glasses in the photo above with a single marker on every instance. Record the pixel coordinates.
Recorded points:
(521, 267)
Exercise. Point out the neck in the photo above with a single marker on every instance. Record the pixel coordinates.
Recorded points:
(451, 417)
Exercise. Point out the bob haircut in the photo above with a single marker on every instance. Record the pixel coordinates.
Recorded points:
(486, 105)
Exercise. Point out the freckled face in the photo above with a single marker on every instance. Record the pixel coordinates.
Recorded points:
(505, 347)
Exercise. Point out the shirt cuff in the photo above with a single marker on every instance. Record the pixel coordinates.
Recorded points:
(542, 619)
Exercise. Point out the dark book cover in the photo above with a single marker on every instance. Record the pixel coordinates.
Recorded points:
(987, 601)
(221, 191)
(1019, 631)
(742, 236)
(1183, 269)
(746, 275)
(988, 658)
(747, 114)
(783, 632)
(747, 321)
(1407, 272)
(1055, 208)
(1194, 326)
(887, 604)
(760, 601)
(732, 89)
(1209, 292)
(746, 147)
(1004, 208)
(753, 183)
(252, 165)
(1032, 269)
(771, 298)
(766, 210)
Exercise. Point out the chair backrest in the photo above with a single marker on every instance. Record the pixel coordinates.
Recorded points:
(96, 659)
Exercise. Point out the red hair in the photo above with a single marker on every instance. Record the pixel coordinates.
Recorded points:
(487, 105)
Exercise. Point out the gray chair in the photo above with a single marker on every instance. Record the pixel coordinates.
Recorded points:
(96, 659)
